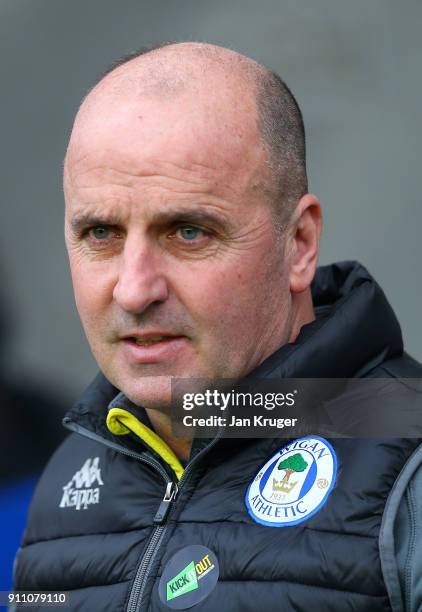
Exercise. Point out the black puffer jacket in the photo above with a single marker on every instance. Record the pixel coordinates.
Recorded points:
(98, 526)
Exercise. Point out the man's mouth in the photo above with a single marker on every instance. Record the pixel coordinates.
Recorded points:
(153, 347)
(149, 341)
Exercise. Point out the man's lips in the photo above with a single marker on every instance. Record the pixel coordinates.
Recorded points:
(152, 347)
(149, 338)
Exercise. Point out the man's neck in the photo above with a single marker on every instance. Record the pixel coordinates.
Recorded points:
(161, 424)
(302, 313)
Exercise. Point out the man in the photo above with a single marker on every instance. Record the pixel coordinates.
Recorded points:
(193, 243)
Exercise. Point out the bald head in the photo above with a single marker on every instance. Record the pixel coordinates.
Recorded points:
(169, 67)
(243, 102)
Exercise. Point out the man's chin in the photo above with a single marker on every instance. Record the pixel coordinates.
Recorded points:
(149, 392)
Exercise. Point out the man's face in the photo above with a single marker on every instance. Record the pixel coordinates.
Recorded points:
(176, 266)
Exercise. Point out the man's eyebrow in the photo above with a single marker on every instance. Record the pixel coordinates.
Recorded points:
(81, 221)
(188, 215)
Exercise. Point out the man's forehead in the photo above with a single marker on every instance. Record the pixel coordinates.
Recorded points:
(149, 137)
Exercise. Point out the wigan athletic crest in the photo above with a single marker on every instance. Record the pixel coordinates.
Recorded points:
(294, 484)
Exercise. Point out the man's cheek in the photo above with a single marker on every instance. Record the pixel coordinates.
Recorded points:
(92, 289)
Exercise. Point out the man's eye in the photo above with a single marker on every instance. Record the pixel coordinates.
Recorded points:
(190, 233)
(100, 232)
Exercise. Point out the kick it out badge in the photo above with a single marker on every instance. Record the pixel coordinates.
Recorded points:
(189, 577)
(294, 484)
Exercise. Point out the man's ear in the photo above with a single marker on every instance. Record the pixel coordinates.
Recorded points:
(305, 233)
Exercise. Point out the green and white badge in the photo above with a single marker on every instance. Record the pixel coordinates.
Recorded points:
(189, 577)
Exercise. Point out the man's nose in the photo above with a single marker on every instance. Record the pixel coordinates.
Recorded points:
(140, 282)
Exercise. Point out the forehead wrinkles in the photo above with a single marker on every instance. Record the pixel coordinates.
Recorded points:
(111, 188)
(129, 180)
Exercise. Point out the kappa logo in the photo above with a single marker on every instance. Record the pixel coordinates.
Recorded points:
(79, 492)
(294, 484)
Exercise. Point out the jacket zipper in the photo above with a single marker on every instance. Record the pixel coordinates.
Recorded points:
(142, 572)
(162, 514)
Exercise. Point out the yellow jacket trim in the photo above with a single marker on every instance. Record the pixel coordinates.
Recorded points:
(121, 422)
